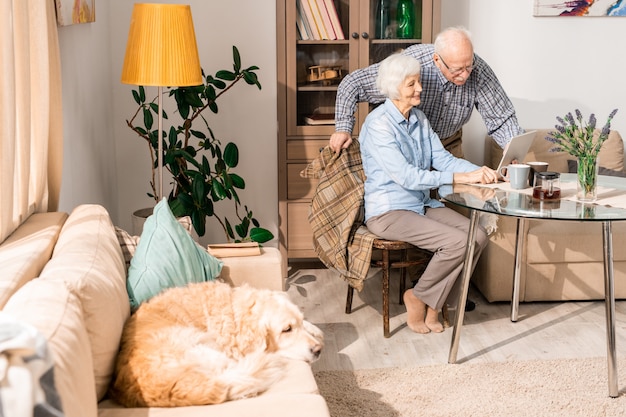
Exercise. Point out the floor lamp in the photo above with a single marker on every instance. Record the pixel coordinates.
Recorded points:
(162, 52)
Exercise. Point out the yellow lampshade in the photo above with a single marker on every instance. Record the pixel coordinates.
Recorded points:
(161, 48)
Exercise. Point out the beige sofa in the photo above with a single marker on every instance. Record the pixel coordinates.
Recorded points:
(66, 276)
(563, 260)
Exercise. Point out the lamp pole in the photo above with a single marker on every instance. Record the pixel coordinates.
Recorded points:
(160, 144)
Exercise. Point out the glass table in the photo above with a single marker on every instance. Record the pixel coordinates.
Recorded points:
(501, 200)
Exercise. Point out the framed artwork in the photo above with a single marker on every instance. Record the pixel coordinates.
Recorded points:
(70, 12)
(580, 8)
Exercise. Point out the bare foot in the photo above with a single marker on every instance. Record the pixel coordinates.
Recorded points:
(416, 310)
(432, 320)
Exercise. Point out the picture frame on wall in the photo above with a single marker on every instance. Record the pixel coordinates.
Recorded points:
(580, 8)
(70, 12)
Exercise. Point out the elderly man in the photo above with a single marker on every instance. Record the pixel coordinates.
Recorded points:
(454, 81)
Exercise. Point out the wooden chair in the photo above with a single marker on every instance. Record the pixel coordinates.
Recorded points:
(389, 249)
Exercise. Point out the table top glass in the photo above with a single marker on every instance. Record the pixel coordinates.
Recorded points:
(501, 199)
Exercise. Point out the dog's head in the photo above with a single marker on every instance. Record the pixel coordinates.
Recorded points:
(288, 334)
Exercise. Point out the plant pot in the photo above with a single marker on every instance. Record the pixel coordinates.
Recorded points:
(139, 218)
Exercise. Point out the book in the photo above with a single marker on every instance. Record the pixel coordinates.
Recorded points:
(307, 15)
(328, 25)
(227, 250)
(334, 18)
(302, 29)
(320, 119)
(317, 18)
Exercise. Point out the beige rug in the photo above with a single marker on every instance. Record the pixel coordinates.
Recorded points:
(568, 388)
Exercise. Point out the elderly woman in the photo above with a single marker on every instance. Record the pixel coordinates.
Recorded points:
(403, 160)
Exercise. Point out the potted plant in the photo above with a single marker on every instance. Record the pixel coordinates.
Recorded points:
(201, 168)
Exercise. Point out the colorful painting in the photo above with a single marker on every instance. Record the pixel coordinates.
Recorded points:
(70, 12)
(580, 8)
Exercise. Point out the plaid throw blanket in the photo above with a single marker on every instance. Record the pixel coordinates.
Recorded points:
(340, 239)
(26, 372)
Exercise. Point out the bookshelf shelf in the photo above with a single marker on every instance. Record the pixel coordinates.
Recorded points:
(299, 142)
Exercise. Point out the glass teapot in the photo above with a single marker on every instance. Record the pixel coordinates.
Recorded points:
(547, 185)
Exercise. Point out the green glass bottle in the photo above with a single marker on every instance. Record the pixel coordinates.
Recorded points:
(405, 16)
(382, 19)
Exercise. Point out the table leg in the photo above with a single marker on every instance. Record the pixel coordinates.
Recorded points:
(609, 302)
(519, 248)
(466, 274)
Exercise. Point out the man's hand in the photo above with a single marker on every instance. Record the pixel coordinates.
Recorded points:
(339, 141)
(483, 175)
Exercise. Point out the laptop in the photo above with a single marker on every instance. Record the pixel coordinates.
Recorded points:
(517, 149)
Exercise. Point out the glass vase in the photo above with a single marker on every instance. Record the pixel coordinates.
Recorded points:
(587, 171)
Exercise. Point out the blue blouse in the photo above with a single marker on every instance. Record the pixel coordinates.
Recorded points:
(403, 160)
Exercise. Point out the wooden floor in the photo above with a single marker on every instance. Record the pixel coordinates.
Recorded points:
(544, 330)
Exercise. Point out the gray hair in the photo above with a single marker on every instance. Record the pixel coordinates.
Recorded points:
(393, 71)
(450, 35)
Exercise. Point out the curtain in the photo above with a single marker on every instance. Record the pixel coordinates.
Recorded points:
(31, 130)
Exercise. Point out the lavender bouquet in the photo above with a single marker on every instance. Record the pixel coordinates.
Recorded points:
(576, 137)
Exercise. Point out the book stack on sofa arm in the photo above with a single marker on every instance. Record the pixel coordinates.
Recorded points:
(66, 276)
(563, 260)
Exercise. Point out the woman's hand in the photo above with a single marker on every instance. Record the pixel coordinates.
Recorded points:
(483, 175)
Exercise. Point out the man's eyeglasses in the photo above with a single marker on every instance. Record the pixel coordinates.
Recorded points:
(457, 71)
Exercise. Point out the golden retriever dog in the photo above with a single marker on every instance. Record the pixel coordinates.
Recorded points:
(207, 343)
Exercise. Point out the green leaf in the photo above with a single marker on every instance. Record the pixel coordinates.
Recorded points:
(237, 181)
(231, 155)
(147, 118)
(142, 93)
(136, 97)
(236, 59)
(217, 191)
(229, 229)
(198, 189)
(260, 235)
(226, 75)
(251, 78)
(193, 98)
(210, 93)
(198, 134)
(198, 219)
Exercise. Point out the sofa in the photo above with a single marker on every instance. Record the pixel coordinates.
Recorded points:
(563, 260)
(66, 276)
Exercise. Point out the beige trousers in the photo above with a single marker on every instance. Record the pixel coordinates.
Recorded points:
(441, 231)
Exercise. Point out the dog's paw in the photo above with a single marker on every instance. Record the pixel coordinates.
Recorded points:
(253, 374)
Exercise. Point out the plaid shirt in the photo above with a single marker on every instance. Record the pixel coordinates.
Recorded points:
(447, 106)
(340, 239)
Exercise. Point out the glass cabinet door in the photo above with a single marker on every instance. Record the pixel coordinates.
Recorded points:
(369, 31)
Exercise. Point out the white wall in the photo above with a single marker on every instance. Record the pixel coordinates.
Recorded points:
(548, 65)
(106, 163)
(89, 172)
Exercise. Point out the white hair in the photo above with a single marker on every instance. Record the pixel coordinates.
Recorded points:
(393, 71)
(449, 36)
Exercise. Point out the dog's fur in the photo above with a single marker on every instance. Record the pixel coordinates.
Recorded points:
(207, 343)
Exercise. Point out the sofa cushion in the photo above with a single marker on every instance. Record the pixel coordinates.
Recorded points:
(572, 168)
(57, 313)
(611, 155)
(166, 257)
(88, 259)
(129, 242)
(297, 393)
(24, 253)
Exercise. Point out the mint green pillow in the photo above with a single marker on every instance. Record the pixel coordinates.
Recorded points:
(166, 257)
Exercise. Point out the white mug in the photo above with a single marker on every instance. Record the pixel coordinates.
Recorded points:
(517, 174)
